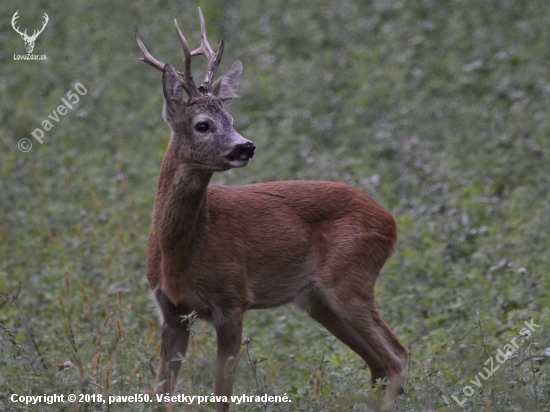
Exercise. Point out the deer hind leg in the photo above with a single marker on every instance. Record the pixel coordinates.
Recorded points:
(358, 310)
(318, 309)
(351, 298)
(174, 339)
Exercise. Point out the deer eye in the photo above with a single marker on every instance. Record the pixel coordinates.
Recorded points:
(202, 127)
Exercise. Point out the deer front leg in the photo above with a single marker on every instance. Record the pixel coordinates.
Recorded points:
(174, 339)
(229, 332)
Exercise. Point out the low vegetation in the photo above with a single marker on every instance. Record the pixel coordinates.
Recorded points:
(437, 109)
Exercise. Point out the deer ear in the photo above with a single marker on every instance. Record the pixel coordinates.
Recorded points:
(173, 93)
(224, 88)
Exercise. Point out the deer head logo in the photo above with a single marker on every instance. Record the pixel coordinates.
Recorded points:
(29, 40)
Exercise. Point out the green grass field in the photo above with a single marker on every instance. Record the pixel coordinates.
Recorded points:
(438, 109)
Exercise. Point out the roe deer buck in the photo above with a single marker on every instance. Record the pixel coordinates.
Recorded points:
(220, 251)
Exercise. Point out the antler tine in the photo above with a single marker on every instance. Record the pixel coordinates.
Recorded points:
(204, 49)
(147, 58)
(187, 77)
(212, 58)
(213, 68)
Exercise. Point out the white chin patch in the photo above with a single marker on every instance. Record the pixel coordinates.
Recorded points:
(238, 162)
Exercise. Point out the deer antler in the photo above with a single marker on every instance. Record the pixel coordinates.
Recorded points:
(212, 58)
(186, 78)
(187, 83)
(147, 58)
(13, 22)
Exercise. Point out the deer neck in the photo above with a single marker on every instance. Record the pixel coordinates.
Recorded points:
(180, 206)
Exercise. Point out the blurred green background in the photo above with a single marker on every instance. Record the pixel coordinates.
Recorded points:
(436, 108)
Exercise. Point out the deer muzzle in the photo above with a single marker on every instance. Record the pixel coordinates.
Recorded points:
(242, 151)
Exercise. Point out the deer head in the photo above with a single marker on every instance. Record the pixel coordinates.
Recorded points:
(29, 40)
(202, 130)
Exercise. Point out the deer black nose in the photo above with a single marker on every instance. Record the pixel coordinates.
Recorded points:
(247, 149)
(242, 151)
